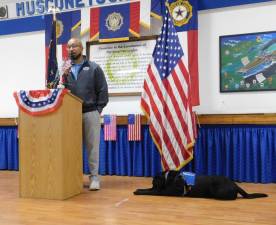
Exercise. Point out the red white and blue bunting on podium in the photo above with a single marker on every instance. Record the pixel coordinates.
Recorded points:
(39, 102)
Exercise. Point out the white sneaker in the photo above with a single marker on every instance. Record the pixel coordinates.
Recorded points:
(94, 183)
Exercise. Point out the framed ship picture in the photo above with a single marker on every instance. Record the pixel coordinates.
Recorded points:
(248, 62)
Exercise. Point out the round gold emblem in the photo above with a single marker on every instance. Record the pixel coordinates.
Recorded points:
(181, 12)
(114, 21)
(59, 28)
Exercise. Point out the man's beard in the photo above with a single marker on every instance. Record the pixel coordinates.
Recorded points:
(75, 57)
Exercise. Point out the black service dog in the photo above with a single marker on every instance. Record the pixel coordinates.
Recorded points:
(172, 183)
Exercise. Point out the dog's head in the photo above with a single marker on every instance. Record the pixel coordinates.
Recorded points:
(171, 176)
(159, 182)
(165, 179)
(169, 183)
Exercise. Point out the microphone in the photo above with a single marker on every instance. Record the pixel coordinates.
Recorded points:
(64, 71)
(66, 67)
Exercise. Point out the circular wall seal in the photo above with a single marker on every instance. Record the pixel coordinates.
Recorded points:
(59, 28)
(181, 11)
(3, 12)
(114, 21)
(118, 62)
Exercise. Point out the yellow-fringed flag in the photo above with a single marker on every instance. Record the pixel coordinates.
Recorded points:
(166, 99)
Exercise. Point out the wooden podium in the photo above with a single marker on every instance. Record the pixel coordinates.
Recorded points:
(50, 152)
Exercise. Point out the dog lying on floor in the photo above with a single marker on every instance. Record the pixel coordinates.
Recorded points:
(173, 183)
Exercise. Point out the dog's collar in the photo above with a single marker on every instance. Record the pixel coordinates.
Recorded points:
(189, 181)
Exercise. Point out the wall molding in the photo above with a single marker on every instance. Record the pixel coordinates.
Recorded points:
(8, 122)
(268, 118)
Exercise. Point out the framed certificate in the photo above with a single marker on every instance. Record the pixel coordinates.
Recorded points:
(124, 63)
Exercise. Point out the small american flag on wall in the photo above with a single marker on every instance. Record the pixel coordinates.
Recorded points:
(110, 128)
(134, 127)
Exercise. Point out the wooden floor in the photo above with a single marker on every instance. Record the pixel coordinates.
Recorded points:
(115, 204)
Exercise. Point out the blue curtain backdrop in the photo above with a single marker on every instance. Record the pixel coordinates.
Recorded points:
(121, 157)
(245, 153)
(242, 152)
(8, 148)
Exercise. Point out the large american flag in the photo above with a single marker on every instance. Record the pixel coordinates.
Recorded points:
(134, 127)
(110, 128)
(166, 99)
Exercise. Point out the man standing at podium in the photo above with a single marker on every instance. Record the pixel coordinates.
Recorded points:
(86, 80)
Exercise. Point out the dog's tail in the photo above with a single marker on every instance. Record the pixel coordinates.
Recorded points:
(244, 194)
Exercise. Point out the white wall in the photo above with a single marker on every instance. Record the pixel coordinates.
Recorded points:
(212, 24)
(22, 61)
(226, 21)
(124, 105)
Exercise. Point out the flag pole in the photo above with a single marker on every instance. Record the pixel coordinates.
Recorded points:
(54, 10)
(52, 61)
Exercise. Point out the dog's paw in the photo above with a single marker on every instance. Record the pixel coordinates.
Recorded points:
(147, 191)
(136, 192)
